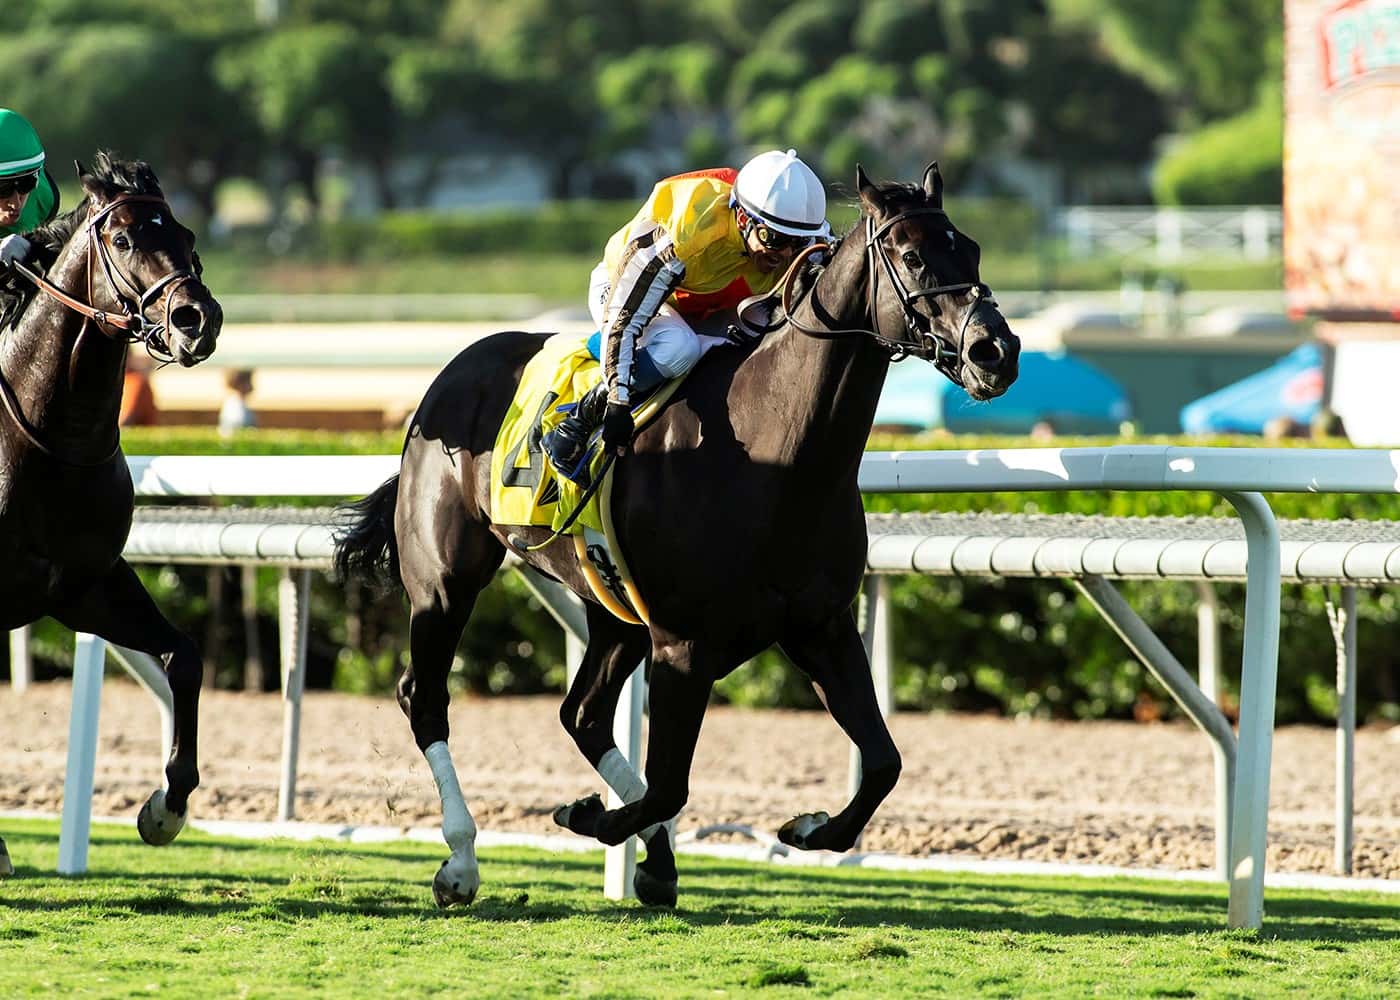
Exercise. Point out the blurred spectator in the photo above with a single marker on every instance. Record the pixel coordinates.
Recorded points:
(138, 401)
(1284, 426)
(1327, 423)
(235, 414)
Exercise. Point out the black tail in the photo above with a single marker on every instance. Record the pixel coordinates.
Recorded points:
(364, 544)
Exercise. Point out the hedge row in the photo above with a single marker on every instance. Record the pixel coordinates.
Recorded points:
(576, 227)
(1238, 161)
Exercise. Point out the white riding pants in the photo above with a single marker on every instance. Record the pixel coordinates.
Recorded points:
(668, 339)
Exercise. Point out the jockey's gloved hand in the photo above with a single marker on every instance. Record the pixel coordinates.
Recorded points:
(618, 427)
(14, 248)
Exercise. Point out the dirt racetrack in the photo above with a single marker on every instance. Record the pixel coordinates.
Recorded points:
(1102, 793)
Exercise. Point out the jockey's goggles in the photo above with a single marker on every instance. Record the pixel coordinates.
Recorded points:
(771, 239)
(23, 184)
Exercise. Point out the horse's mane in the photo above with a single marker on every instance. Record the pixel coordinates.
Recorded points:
(119, 177)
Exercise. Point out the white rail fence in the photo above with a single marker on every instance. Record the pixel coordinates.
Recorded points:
(1239, 475)
(1254, 232)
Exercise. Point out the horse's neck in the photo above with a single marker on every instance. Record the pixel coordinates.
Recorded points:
(75, 400)
(829, 387)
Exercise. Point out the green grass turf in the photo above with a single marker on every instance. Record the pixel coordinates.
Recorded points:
(214, 917)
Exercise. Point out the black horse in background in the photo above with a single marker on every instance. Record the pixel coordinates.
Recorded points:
(66, 495)
(738, 512)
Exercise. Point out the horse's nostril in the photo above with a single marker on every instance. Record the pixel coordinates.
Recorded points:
(986, 353)
(186, 318)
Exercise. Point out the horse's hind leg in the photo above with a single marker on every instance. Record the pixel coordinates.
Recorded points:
(119, 610)
(679, 691)
(5, 867)
(441, 601)
(834, 658)
(614, 650)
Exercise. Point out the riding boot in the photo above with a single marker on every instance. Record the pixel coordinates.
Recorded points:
(567, 444)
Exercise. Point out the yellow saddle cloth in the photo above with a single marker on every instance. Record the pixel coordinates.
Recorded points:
(525, 489)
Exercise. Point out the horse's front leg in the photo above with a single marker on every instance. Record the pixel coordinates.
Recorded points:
(119, 610)
(614, 650)
(5, 867)
(834, 658)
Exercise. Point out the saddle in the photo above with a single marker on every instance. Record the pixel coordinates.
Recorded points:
(525, 489)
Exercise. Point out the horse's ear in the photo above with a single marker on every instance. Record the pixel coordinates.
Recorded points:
(870, 195)
(92, 184)
(933, 185)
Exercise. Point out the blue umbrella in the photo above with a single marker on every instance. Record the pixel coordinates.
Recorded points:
(1071, 395)
(1291, 387)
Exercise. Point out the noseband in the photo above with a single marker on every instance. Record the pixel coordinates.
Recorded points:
(928, 343)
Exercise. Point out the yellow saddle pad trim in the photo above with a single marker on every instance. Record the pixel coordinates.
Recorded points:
(525, 489)
(599, 554)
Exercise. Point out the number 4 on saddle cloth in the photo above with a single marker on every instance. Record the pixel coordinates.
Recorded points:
(525, 489)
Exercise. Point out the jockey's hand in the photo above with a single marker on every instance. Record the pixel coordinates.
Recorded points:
(618, 427)
(14, 248)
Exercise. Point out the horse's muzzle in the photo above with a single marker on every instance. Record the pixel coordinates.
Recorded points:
(991, 360)
(194, 325)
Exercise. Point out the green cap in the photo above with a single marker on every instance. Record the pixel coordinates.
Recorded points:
(20, 148)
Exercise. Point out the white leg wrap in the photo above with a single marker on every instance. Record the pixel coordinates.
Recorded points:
(622, 778)
(458, 827)
(157, 824)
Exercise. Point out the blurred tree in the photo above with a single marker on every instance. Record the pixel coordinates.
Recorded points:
(431, 85)
(1086, 110)
(315, 88)
(734, 24)
(682, 84)
(139, 91)
(902, 31)
(404, 18)
(1210, 56)
(1236, 161)
(187, 17)
(547, 55)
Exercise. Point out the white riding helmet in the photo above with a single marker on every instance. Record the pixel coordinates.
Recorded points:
(783, 192)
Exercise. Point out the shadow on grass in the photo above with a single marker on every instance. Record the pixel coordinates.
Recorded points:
(712, 894)
(1057, 911)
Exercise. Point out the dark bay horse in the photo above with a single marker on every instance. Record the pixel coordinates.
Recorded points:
(738, 511)
(117, 260)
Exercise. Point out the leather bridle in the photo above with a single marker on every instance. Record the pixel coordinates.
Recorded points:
(926, 342)
(134, 301)
(130, 325)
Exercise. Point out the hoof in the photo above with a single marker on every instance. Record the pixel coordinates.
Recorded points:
(5, 867)
(456, 881)
(157, 825)
(581, 815)
(801, 831)
(652, 891)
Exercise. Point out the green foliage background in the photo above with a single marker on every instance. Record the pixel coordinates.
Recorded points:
(278, 92)
(1015, 647)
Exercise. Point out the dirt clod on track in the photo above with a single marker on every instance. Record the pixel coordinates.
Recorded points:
(1099, 793)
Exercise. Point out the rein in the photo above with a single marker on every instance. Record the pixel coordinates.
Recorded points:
(930, 346)
(132, 321)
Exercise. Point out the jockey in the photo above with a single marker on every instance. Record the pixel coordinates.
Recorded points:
(702, 242)
(28, 195)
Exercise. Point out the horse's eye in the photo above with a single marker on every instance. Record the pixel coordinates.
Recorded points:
(912, 260)
(121, 243)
